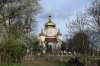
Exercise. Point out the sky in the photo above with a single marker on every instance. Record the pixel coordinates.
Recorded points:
(61, 11)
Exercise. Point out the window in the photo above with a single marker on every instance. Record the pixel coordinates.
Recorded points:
(50, 32)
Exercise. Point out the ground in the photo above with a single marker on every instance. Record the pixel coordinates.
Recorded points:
(57, 61)
(39, 62)
(51, 61)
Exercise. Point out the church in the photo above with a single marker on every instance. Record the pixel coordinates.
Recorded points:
(51, 37)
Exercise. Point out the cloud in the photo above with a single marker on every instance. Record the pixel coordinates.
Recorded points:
(55, 12)
(60, 11)
(58, 16)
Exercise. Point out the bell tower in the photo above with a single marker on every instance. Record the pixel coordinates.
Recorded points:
(27, 28)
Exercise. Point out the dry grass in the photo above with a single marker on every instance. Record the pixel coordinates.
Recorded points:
(40, 62)
(50, 61)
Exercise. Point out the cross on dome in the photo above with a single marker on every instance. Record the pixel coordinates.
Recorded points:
(49, 17)
(50, 23)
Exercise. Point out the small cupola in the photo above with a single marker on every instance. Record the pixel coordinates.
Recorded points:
(41, 34)
(58, 33)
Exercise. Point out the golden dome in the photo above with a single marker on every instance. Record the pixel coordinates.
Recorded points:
(50, 23)
(41, 34)
(58, 33)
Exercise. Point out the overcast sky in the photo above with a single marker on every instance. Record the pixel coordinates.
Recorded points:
(59, 10)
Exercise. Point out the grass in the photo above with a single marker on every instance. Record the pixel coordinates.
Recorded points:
(49, 62)
(52, 61)
(64, 64)
(93, 56)
(38, 63)
(11, 64)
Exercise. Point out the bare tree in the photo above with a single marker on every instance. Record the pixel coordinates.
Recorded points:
(94, 12)
(78, 29)
(80, 24)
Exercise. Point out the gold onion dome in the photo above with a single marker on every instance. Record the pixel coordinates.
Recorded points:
(50, 23)
(41, 34)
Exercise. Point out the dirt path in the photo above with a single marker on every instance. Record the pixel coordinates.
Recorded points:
(39, 62)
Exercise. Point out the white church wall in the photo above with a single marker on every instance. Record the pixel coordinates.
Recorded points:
(44, 47)
(42, 38)
(55, 32)
(50, 43)
(51, 32)
(44, 31)
(59, 37)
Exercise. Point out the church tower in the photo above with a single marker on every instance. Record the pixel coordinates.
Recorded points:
(50, 29)
(26, 27)
(59, 35)
(42, 35)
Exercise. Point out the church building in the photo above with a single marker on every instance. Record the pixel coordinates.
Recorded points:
(50, 36)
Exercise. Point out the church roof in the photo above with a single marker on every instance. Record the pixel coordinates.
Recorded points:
(50, 39)
(58, 33)
(50, 23)
(41, 34)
